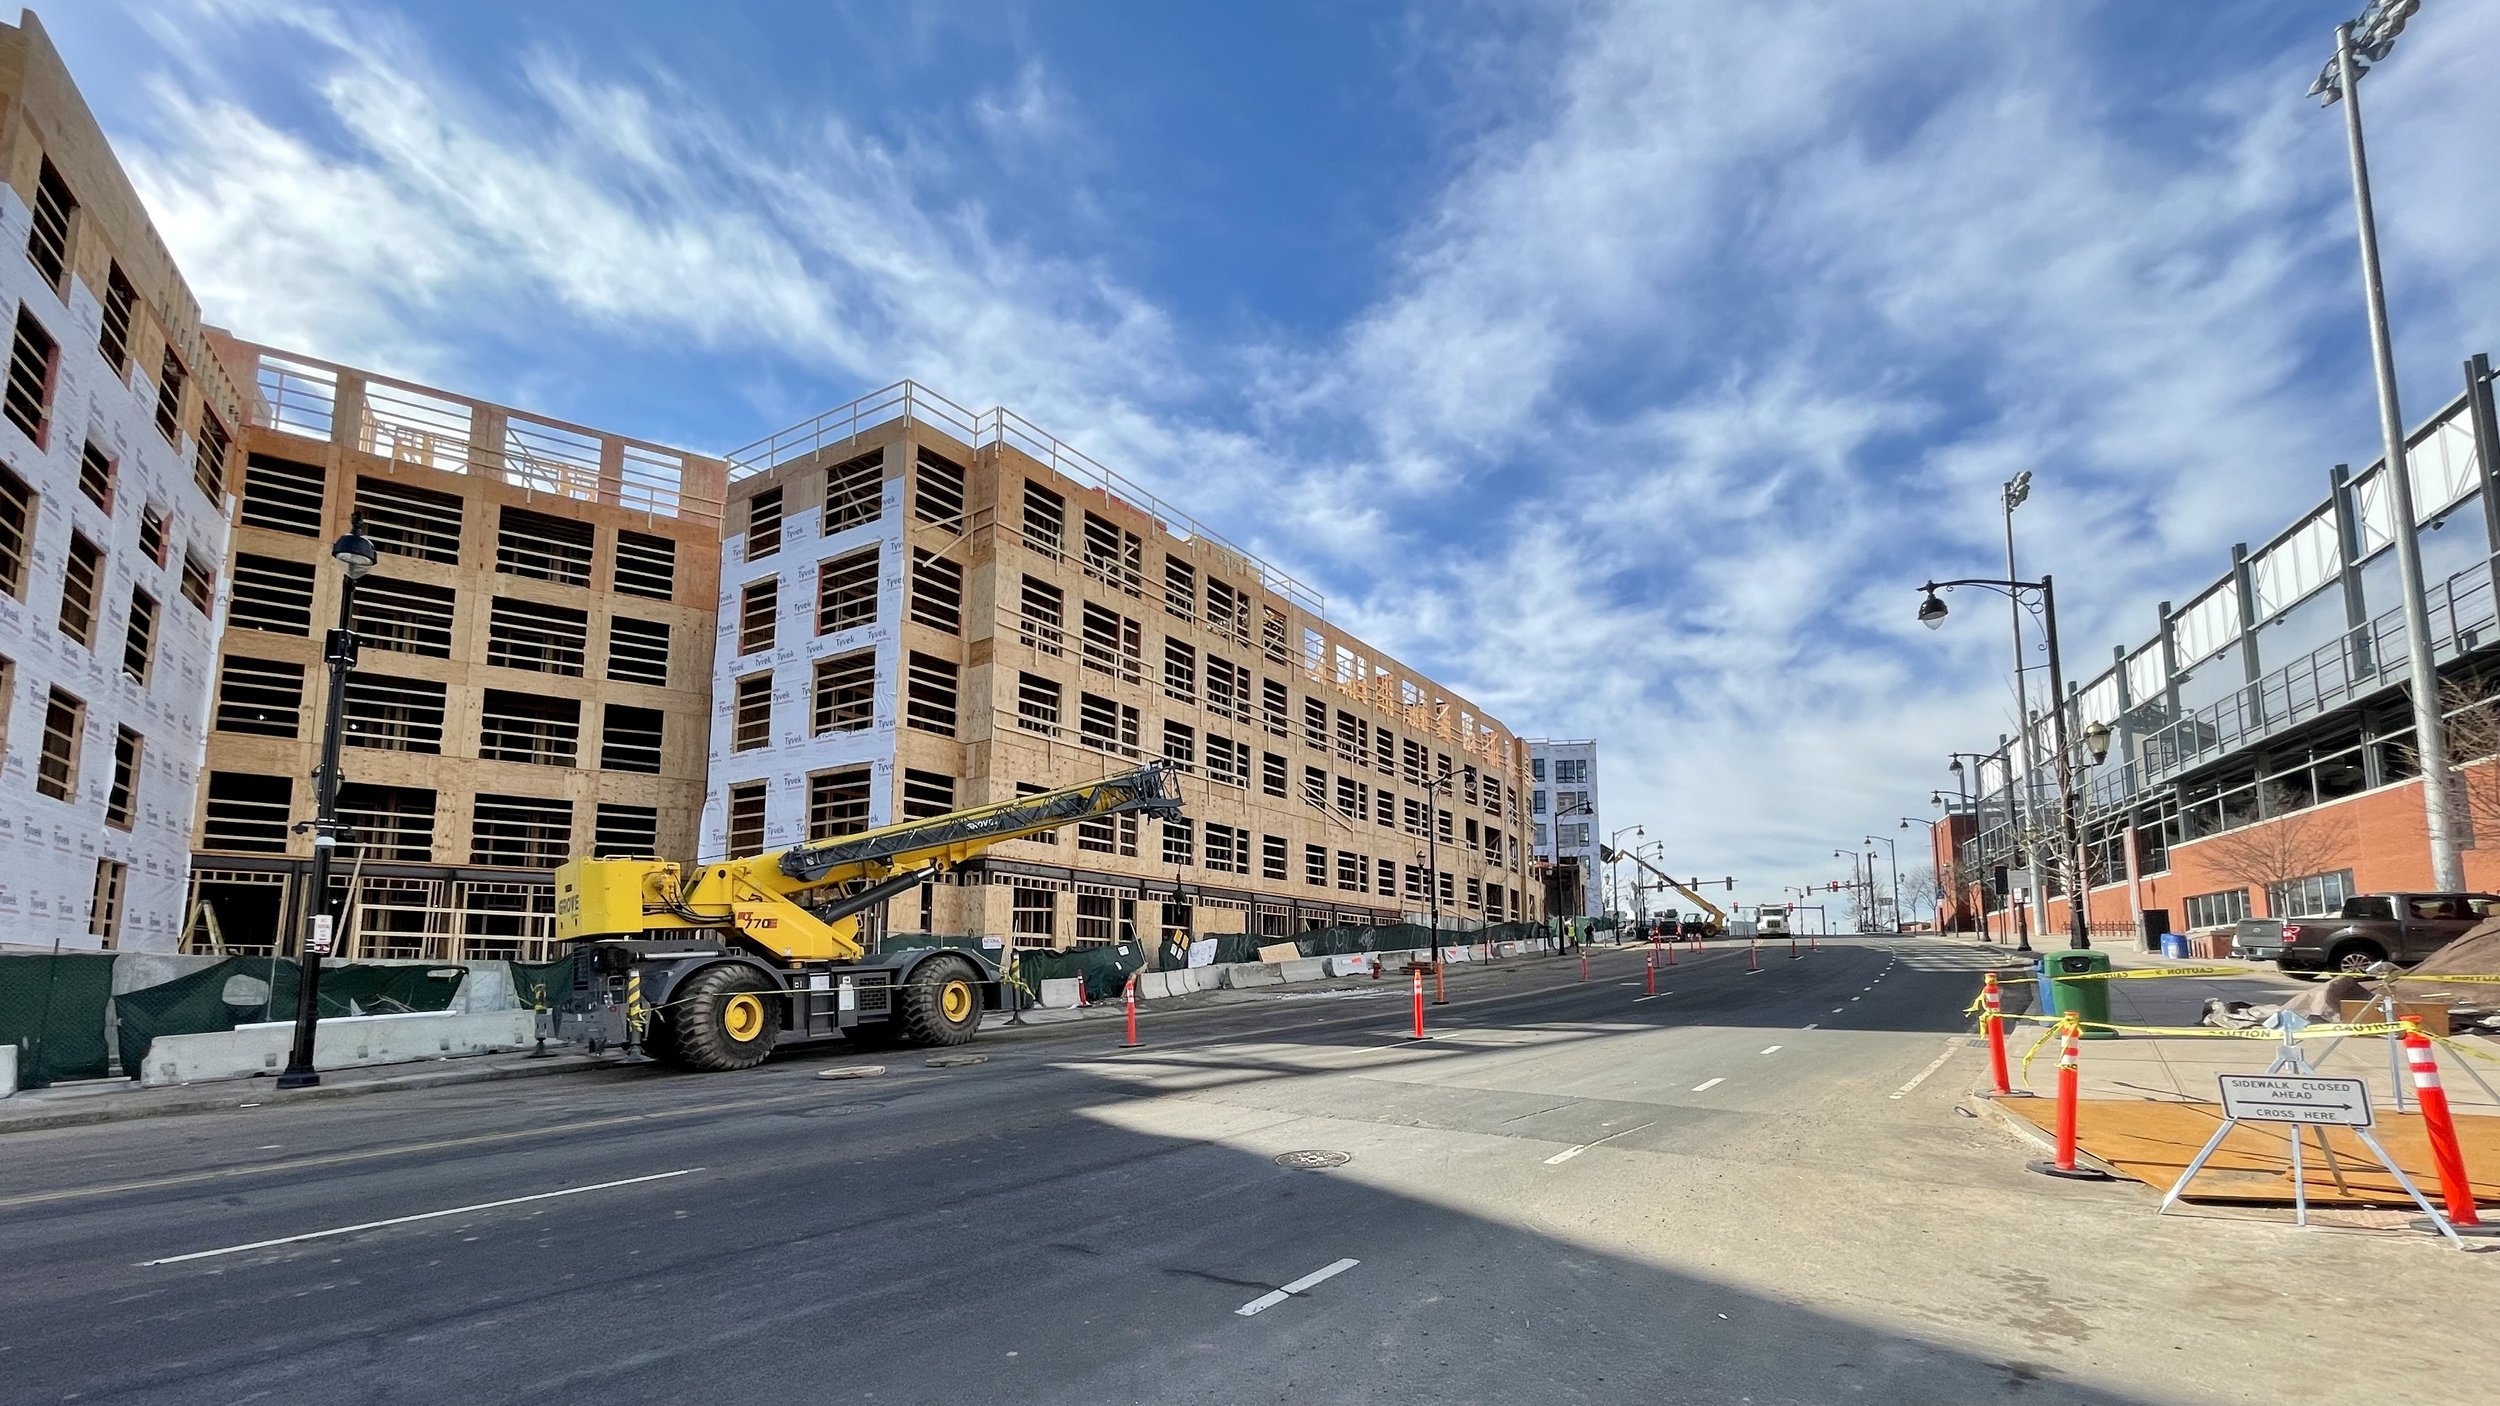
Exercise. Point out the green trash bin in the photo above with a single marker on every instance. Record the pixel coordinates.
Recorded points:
(2088, 1000)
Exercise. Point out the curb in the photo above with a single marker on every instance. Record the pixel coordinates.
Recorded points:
(235, 1093)
(2023, 1129)
(229, 1095)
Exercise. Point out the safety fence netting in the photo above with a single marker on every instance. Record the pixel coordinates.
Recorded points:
(254, 990)
(52, 1009)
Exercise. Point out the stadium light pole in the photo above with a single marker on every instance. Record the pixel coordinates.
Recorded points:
(355, 554)
(2358, 45)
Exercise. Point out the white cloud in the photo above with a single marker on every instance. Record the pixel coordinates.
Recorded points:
(1717, 339)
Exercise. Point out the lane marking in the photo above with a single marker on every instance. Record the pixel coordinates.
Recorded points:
(1570, 1152)
(1922, 1074)
(402, 1149)
(1274, 1297)
(1705, 1087)
(1810, 1025)
(404, 1220)
(1838, 1009)
(1772, 1050)
(1857, 998)
(1638, 999)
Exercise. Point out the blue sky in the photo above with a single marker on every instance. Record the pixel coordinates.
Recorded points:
(1625, 365)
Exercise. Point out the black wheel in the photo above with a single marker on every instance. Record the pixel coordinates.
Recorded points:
(2357, 957)
(941, 1004)
(724, 1017)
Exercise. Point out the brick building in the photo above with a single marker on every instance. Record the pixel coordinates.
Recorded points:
(924, 608)
(534, 678)
(2262, 757)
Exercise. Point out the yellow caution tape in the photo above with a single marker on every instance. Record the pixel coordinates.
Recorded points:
(2461, 980)
(2322, 1030)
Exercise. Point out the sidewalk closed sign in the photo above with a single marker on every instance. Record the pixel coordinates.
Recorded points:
(2296, 1098)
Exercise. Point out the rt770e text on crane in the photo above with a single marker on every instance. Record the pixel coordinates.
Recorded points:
(712, 967)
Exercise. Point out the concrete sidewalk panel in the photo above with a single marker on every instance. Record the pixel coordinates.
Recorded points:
(341, 1043)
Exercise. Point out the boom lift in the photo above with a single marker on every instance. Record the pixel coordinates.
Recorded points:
(1718, 915)
(710, 968)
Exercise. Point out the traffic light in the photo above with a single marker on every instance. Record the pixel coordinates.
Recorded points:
(1731, 883)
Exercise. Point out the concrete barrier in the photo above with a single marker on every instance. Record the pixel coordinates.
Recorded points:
(1207, 978)
(1351, 964)
(8, 1070)
(1155, 986)
(1508, 949)
(1241, 974)
(342, 1043)
(1059, 993)
(1303, 969)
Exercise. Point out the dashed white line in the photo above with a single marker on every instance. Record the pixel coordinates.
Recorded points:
(1810, 1025)
(1707, 1085)
(1772, 1050)
(1638, 999)
(1838, 1009)
(1922, 1074)
(1274, 1297)
(1857, 998)
(404, 1220)
(1570, 1152)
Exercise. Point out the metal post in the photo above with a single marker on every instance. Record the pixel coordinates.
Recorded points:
(2429, 730)
(2017, 811)
(339, 651)
(2079, 886)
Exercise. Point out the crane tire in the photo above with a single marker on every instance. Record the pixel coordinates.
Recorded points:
(721, 1018)
(941, 1004)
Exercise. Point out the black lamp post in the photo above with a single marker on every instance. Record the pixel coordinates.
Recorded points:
(355, 554)
(1576, 808)
(1931, 613)
(1432, 867)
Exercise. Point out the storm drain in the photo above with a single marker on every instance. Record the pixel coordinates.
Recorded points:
(1313, 1161)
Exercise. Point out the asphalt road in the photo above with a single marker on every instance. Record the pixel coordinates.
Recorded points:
(1751, 1188)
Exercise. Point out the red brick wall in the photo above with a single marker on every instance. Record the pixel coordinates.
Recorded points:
(2386, 848)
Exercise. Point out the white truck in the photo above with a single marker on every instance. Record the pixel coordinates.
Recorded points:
(1771, 920)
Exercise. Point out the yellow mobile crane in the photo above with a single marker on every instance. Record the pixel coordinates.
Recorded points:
(1718, 915)
(710, 968)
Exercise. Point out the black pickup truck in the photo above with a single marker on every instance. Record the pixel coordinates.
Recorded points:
(2402, 928)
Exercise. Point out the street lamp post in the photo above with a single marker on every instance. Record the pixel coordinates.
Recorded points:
(1906, 822)
(1560, 813)
(1857, 885)
(2359, 44)
(2017, 491)
(1432, 855)
(1614, 872)
(1895, 862)
(355, 555)
(1931, 613)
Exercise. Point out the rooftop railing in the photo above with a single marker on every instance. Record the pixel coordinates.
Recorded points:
(842, 426)
(411, 424)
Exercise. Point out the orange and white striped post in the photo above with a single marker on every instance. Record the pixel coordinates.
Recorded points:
(1419, 1001)
(1129, 996)
(2069, 1097)
(2455, 1187)
(1992, 1002)
(1651, 967)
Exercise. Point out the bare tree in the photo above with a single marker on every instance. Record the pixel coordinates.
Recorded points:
(2270, 852)
(2472, 708)
(1921, 889)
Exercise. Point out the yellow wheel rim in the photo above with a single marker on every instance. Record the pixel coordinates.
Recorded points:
(743, 1016)
(955, 999)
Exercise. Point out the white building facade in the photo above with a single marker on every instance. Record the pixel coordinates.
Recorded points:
(113, 535)
(1565, 819)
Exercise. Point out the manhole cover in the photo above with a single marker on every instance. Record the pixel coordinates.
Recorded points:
(1314, 1161)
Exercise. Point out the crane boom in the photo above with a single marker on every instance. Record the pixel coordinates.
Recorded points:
(766, 898)
(1717, 914)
